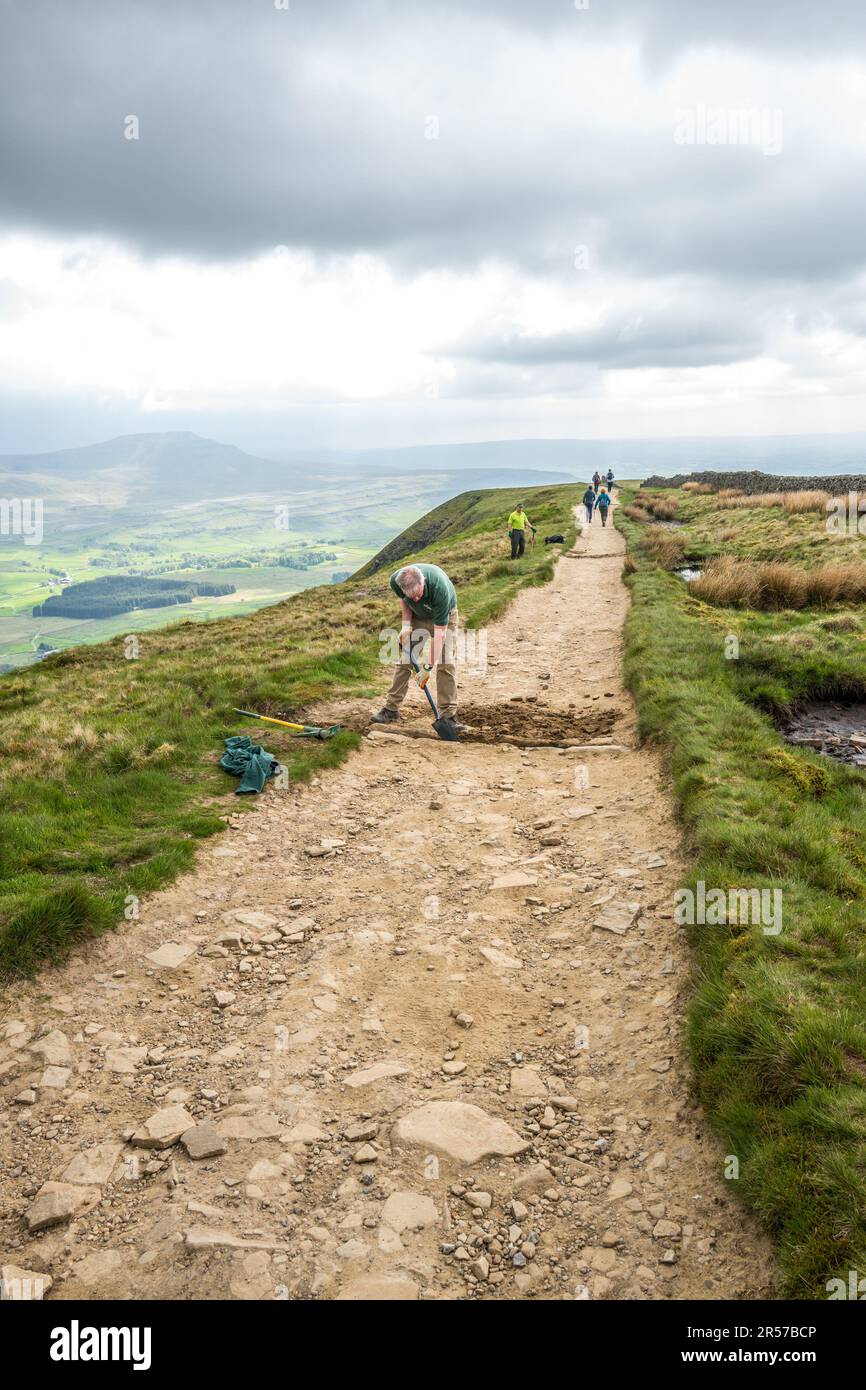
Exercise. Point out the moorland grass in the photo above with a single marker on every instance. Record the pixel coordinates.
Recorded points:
(109, 767)
(744, 584)
(806, 500)
(777, 1027)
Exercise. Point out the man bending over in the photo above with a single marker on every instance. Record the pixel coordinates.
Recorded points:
(428, 606)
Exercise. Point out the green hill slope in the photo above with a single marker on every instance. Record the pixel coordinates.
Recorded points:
(472, 513)
(109, 765)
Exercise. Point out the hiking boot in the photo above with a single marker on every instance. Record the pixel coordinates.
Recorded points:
(386, 716)
(458, 726)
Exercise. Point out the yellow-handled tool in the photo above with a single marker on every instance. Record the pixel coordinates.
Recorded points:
(302, 730)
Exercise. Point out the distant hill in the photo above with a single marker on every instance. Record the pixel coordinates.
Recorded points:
(178, 466)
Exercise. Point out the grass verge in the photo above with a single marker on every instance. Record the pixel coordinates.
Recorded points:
(778, 1022)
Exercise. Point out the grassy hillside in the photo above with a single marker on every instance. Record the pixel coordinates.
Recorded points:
(778, 1024)
(473, 513)
(160, 505)
(108, 766)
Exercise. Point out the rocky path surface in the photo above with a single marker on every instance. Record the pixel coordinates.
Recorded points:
(413, 1031)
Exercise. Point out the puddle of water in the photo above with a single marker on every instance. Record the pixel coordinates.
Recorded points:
(689, 575)
(838, 731)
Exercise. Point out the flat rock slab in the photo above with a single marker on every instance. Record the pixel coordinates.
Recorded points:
(124, 1060)
(525, 1081)
(259, 1126)
(325, 1003)
(102, 1264)
(53, 1048)
(597, 748)
(23, 1285)
(93, 1167)
(379, 1071)
(171, 955)
(306, 1133)
(57, 1202)
(517, 878)
(163, 1128)
(409, 1211)
(373, 1288)
(207, 1238)
(464, 1133)
(619, 1188)
(203, 1141)
(618, 917)
(259, 921)
(55, 1078)
(500, 959)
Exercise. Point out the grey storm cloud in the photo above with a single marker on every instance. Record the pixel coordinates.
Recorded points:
(666, 27)
(309, 127)
(686, 334)
(306, 127)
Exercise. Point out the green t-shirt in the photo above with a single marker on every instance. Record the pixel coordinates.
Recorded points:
(518, 521)
(438, 598)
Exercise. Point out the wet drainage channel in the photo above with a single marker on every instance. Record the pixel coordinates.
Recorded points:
(836, 730)
(688, 574)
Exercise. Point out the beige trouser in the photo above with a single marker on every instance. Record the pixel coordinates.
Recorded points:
(446, 679)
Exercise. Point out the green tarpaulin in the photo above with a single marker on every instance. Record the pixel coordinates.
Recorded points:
(250, 762)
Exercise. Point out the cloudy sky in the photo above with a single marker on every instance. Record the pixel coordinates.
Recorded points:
(361, 222)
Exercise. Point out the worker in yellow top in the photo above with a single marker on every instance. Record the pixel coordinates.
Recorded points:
(517, 526)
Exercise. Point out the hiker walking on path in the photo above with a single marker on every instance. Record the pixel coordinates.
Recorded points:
(589, 502)
(602, 502)
(428, 605)
(517, 527)
(596, 479)
(609, 479)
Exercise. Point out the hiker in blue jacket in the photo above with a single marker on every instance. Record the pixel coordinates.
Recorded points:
(602, 502)
(589, 502)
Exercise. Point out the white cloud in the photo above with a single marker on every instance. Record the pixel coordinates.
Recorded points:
(435, 281)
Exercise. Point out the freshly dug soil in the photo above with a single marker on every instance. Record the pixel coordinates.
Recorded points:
(535, 723)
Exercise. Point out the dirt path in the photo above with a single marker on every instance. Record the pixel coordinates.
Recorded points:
(438, 1057)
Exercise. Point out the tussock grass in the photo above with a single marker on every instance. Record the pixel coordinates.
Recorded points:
(661, 507)
(665, 547)
(734, 583)
(807, 500)
(109, 768)
(777, 1027)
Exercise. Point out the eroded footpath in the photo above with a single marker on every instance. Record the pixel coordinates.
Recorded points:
(413, 1031)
